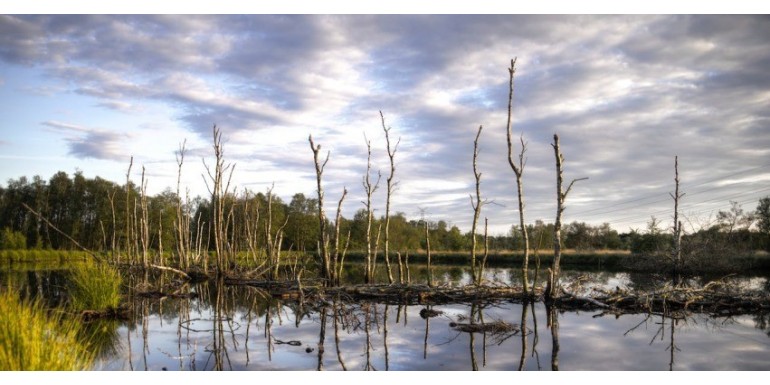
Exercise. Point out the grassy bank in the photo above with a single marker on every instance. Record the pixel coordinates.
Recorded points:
(38, 256)
(33, 339)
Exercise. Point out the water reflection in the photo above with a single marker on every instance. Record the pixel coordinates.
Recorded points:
(244, 328)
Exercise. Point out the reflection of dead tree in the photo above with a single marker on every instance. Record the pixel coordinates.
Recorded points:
(385, 337)
(322, 335)
(536, 338)
(335, 312)
(523, 358)
(552, 321)
(368, 343)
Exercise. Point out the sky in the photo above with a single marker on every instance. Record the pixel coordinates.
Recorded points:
(625, 93)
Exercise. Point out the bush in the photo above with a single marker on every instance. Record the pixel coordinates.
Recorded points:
(12, 240)
(95, 287)
(30, 339)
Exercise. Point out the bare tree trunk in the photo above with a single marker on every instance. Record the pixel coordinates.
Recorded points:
(218, 191)
(486, 252)
(129, 257)
(323, 242)
(476, 205)
(427, 247)
(553, 284)
(337, 224)
(369, 189)
(677, 252)
(144, 227)
(114, 225)
(181, 234)
(391, 186)
(518, 169)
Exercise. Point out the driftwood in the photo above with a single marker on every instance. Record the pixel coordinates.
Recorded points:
(160, 294)
(120, 313)
(489, 327)
(716, 298)
(430, 313)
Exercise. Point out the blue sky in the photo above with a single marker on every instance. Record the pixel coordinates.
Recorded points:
(625, 93)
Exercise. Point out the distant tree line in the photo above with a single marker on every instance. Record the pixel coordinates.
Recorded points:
(95, 213)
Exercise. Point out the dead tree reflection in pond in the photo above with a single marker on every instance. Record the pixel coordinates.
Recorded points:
(337, 313)
(553, 323)
(321, 337)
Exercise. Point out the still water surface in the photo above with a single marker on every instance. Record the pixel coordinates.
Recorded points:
(242, 328)
(236, 328)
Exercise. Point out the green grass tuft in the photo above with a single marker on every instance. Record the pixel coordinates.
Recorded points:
(30, 339)
(95, 287)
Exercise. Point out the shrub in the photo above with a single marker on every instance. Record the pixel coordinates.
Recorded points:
(12, 240)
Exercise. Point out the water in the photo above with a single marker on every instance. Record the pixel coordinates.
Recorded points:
(241, 328)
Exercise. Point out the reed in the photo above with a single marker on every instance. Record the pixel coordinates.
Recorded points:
(31, 339)
(95, 287)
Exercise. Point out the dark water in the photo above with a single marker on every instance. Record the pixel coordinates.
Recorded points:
(241, 328)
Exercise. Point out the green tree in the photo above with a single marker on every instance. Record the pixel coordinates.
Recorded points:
(763, 219)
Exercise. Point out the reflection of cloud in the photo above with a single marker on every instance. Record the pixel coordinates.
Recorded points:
(86, 142)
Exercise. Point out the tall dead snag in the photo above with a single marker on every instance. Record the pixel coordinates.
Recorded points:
(552, 290)
(182, 221)
(391, 185)
(427, 250)
(338, 254)
(218, 190)
(144, 225)
(518, 169)
(323, 239)
(677, 252)
(129, 256)
(369, 189)
(476, 204)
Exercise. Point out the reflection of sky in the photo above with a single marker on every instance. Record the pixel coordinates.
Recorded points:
(587, 343)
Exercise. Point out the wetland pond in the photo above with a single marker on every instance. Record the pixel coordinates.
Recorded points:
(242, 328)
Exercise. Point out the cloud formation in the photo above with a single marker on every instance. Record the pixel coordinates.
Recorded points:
(84, 143)
(625, 93)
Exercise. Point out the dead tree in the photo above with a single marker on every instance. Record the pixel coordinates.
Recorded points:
(218, 190)
(427, 250)
(677, 252)
(518, 169)
(338, 254)
(391, 185)
(182, 222)
(369, 189)
(476, 205)
(323, 239)
(553, 280)
(129, 256)
(144, 226)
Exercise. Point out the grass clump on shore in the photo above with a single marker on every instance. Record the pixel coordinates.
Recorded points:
(31, 339)
(95, 287)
